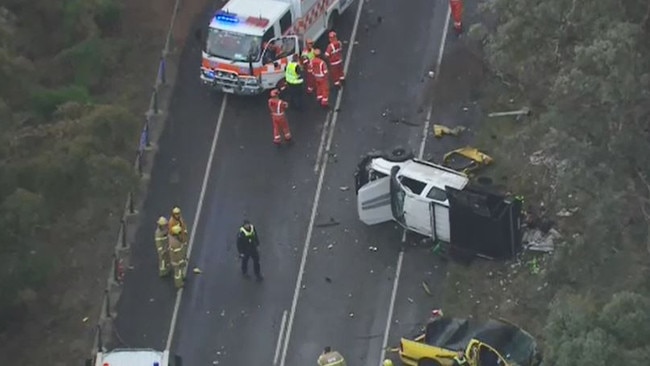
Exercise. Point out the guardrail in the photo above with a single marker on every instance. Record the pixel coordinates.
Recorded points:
(146, 146)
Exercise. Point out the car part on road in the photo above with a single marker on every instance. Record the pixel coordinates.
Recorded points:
(440, 130)
(466, 159)
(525, 111)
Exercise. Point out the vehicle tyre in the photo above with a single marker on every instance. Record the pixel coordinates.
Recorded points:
(399, 155)
(428, 362)
(332, 20)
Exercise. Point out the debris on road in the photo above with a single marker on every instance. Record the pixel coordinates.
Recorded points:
(525, 111)
(328, 280)
(84, 320)
(330, 246)
(344, 188)
(409, 300)
(351, 315)
(466, 159)
(332, 222)
(432, 74)
(372, 249)
(425, 286)
(538, 241)
(566, 213)
(197, 270)
(441, 130)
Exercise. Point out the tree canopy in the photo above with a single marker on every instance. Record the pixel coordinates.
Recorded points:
(64, 155)
(584, 67)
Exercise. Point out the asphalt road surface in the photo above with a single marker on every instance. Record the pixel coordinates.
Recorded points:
(345, 290)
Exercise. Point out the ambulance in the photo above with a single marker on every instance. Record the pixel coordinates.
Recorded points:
(134, 357)
(249, 42)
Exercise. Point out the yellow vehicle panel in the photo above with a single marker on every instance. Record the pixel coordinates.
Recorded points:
(411, 351)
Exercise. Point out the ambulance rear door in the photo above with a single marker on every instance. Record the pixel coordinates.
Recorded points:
(275, 57)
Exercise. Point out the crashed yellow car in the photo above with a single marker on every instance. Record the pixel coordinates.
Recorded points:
(491, 343)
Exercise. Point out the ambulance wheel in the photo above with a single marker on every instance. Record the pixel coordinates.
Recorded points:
(399, 155)
(332, 20)
(428, 362)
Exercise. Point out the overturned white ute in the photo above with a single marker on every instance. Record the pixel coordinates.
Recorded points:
(396, 186)
(134, 357)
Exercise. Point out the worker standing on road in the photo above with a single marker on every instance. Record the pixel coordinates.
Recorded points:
(177, 219)
(294, 80)
(306, 57)
(278, 108)
(162, 246)
(178, 255)
(330, 358)
(457, 14)
(322, 80)
(247, 244)
(334, 54)
(459, 359)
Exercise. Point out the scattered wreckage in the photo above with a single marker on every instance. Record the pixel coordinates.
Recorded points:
(438, 202)
(491, 343)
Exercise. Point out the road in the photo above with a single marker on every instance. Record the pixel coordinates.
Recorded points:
(345, 290)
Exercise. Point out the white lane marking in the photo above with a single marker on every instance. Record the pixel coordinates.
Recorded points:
(197, 216)
(423, 143)
(391, 306)
(277, 346)
(319, 155)
(425, 131)
(319, 187)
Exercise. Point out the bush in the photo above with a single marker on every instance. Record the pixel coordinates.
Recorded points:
(46, 101)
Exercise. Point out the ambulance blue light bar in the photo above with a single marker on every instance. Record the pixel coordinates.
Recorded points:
(226, 17)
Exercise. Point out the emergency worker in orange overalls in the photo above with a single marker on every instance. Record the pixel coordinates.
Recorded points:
(306, 57)
(457, 14)
(278, 108)
(319, 68)
(334, 54)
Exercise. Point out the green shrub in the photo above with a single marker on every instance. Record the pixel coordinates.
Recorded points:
(46, 101)
(108, 15)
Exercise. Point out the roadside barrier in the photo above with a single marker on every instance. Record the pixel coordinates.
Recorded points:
(153, 120)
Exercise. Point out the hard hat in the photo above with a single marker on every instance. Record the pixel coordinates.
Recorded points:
(332, 34)
(176, 230)
(162, 221)
(176, 211)
(437, 313)
(275, 93)
(316, 52)
(388, 362)
(309, 41)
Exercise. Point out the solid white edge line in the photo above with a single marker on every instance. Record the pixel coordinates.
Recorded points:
(423, 143)
(391, 306)
(197, 216)
(319, 186)
(277, 346)
(321, 145)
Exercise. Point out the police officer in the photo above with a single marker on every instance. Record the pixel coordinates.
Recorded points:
(293, 77)
(247, 243)
(459, 359)
(330, 358)
(162, 246)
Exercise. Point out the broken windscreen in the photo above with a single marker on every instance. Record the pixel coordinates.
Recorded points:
(233, 46)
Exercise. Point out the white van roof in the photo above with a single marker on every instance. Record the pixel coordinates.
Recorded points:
(269, 9)
(435, 174)
(131, 357)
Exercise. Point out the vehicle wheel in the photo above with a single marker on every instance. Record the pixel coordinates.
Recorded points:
(428, 362)
(332, 20)
(398, 155)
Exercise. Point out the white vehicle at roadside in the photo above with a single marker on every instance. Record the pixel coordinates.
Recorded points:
(134, 357)
(412, 192)
(250, 42)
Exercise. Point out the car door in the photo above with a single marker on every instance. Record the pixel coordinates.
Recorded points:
(374, 202)
(411, 210)
(277, 53)
(439, 207)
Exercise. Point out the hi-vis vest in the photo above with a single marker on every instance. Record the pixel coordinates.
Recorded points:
(248, 234)
(309, 54)
(290, 74)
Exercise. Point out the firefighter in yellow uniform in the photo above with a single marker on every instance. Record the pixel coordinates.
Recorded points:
(177, 219)
(162, 246)
(178, 255)
(330, 358)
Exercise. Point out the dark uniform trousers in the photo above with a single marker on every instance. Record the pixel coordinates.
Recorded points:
(255, 256)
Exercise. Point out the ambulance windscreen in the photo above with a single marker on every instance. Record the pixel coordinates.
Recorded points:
(233, 46)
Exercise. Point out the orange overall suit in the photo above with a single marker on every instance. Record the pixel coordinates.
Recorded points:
(319, 68)
(457, 14)
(334, 53)
(278, 107)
